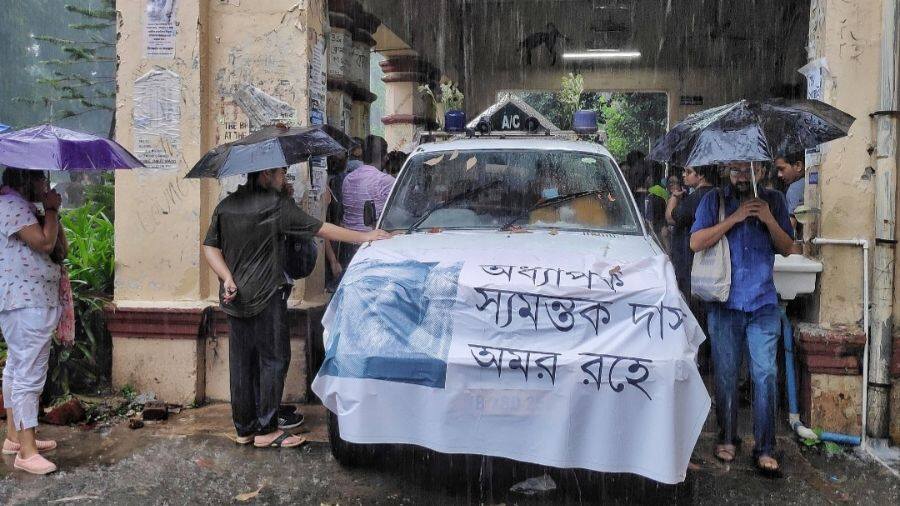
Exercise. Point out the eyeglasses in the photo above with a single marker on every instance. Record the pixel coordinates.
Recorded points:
(740, 172)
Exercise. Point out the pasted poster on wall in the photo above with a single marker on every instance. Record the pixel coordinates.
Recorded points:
(159, 29)
(317, 77)
(817, 74)
(156, 118)
(338, 41)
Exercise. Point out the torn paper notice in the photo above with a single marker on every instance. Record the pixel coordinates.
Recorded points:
(317, 76)
(159, 29)
(263, 109)
(816, 73)
(156, 119)
(338, 42)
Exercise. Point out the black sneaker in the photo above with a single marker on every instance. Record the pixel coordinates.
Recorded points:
(289, 420)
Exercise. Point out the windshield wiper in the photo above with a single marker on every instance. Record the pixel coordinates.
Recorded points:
(552, 201)
(451, 200)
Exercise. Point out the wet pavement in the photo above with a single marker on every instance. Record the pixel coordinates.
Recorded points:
(192, 459)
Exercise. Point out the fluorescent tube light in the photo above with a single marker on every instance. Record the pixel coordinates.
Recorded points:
(602, 54)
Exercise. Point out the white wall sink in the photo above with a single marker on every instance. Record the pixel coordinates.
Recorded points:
(795, 275)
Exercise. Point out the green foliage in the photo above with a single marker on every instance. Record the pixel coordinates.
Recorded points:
(128, 392)
(108, 12)
(81, 88)
(570, 93)
(91, 267)
(102, 195)
(450, 98)
(830, 447)
(833, 448)
(631, 120)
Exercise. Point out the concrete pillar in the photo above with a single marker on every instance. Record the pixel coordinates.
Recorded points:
(362, 97)
(845, 37)
(340, 53)
(220, 78)
(406, 110)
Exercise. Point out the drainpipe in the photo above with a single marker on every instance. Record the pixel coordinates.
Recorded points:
(787, 331)
(864, 244)
(885, 122)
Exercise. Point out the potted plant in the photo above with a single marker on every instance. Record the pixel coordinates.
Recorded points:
(449, 107)
(583, 120)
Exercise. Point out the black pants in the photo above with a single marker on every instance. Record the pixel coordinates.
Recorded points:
(259, 352)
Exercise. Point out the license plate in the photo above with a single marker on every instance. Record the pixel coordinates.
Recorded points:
(504, 402)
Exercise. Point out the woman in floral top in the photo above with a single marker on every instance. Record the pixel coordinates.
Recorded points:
(29, 307)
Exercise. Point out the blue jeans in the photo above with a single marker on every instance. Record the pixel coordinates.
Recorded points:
(730, 333)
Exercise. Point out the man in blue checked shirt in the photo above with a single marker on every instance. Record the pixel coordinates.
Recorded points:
(756, 228)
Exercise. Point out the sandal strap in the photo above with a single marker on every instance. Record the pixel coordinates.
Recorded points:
(280, 439)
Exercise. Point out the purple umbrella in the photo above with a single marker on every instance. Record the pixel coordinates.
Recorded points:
(47, 147)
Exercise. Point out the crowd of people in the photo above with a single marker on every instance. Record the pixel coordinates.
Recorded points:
(682, 208)
(683, 211)
(239, 247)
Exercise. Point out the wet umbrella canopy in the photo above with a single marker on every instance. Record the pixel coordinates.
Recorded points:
(269, 148)
(342, 138)
(751, 131)
(48, 147)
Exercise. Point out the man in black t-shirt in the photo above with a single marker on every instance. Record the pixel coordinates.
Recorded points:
(244, 248)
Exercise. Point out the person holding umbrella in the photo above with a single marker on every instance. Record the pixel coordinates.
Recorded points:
(757, 228)
(743, 308)
(29, 307)
(243, 247)
(35, 296)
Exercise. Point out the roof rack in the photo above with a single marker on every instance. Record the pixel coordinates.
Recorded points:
(442, 136)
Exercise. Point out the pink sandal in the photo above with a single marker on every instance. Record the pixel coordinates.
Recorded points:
(35, 464)
(10, 448)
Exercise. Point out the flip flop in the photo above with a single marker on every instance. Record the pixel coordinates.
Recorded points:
(285, 440)
(726, 453)
(765, 471)
(242, 440)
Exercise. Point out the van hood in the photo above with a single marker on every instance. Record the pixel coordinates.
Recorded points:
(535, 246)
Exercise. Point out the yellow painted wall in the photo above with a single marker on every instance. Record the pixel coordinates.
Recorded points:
(158, 212)
(161, 218)
(848, 36)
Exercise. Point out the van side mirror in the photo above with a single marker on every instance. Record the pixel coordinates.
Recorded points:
(369, 213)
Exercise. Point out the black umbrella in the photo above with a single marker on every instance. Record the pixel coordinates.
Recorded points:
(269, 148)
(337, 134)
(750, 131)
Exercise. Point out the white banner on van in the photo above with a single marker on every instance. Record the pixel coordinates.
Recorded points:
(510, 354)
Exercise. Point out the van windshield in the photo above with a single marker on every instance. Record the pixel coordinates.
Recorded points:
(487, 189)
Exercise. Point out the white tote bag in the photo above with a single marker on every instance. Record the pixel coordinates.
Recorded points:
(711, 270)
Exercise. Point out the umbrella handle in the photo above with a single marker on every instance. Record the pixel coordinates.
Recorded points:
(753, 180)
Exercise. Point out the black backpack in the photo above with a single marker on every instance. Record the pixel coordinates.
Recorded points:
(299, 256)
